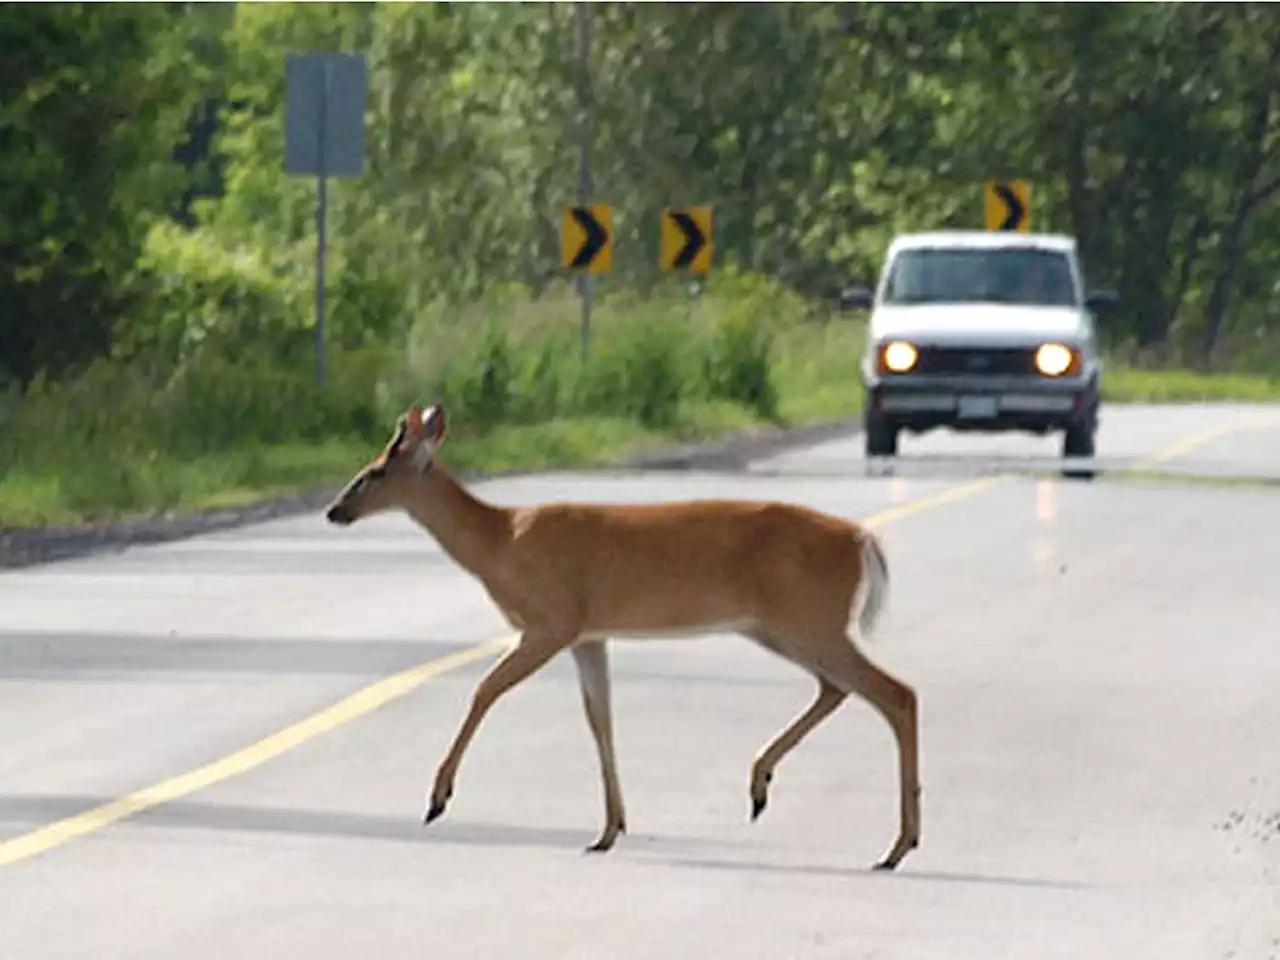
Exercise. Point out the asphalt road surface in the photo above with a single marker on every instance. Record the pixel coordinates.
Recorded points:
(1098, 667)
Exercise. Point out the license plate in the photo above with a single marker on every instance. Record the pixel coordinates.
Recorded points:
(977, 408)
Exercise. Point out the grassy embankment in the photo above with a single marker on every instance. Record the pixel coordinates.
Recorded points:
(121, 441)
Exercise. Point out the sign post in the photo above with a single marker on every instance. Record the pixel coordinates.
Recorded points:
(325, 96)
(585, 291)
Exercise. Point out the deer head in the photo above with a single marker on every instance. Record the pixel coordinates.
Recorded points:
(384, 483)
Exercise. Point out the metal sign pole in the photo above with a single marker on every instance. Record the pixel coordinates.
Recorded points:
(322, 209)
(325, 97)
(585, 291)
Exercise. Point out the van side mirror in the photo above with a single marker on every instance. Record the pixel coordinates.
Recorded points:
(855, 298)
(1101, 300)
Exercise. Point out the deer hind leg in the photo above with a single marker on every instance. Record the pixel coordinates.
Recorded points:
(592, 659)
(844, 665)
(828, 698)
(530, 653)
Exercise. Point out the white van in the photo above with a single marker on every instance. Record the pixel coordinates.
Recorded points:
(981, 331)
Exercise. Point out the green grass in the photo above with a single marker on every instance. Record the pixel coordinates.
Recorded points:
(243, 477)
(161, 484)
(1183, 478)
(119, 443)
(228, 429)
(817, 372)
(1129, 385)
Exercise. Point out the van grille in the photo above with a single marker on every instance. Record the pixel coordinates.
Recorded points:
(977, 361)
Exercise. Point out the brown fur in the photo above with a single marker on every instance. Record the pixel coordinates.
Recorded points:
(569, 575)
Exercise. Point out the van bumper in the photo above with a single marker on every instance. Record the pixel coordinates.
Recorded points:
(1029, 404)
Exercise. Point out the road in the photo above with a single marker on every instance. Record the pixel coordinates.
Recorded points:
(1096, 663)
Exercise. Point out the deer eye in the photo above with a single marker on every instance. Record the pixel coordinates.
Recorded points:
(376, 473)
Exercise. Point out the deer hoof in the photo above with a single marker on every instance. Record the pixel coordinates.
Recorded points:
(760, 796)
(603, 844)
(433, 812)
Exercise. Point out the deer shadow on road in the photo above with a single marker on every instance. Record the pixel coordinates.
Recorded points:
(22, 813)
(903, 872)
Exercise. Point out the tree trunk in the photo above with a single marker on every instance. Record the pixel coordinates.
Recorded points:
(1251, 197)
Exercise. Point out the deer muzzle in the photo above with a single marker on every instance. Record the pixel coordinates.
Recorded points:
(339, 514)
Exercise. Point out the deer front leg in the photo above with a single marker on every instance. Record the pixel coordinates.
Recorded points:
(530, 653)
(593, 674)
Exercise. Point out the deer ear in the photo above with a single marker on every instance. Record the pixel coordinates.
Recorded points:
(409, 426)
(433, 424)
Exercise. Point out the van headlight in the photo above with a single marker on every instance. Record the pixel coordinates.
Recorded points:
(1054, 359)
(898, 356)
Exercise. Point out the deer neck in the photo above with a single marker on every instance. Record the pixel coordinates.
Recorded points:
(469, 530)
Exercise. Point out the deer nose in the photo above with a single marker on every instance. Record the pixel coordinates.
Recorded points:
(336, 514)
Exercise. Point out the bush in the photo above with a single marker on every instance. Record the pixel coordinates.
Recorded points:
(738, 364)
(545, 384)
(635, 372)
(202, 295)
(483, 390)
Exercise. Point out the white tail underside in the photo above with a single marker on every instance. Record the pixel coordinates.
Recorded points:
(870, 598)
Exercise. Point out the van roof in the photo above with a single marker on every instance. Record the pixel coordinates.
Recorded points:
(982, 240)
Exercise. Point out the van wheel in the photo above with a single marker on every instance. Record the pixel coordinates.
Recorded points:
(882, 437)
(1078, 441)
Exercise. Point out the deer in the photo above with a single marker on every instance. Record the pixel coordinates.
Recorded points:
(802, 584)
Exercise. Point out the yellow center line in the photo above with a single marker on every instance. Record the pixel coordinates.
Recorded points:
(1188, 443)
(942, 497)
(352, 707)
(363, 701)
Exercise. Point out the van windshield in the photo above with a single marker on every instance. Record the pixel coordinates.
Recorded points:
(1020, 275)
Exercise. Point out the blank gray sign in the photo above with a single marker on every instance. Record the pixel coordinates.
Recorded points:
(342, 92)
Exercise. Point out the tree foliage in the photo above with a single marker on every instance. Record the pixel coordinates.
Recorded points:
(1150, 131)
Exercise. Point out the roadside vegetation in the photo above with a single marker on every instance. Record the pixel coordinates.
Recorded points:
(156, 289)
